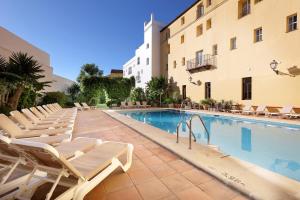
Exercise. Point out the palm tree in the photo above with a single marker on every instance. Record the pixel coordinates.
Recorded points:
(24, 71)
(89, 70)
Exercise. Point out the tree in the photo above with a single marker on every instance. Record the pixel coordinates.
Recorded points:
(89, 70)
(24, 71)
(137, 94)
(156, 88)
(74, 91)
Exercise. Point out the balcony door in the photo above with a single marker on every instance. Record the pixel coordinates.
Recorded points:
(199, 58)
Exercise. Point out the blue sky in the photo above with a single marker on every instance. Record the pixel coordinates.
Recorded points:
(75, 32)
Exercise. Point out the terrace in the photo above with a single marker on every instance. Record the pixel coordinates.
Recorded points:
(156, 173)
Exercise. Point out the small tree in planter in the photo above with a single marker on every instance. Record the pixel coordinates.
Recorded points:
(208, 103)
(169, 102)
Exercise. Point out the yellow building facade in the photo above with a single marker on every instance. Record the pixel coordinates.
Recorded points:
(224, 49)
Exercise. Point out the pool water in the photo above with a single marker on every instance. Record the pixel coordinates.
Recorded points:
(271, 145)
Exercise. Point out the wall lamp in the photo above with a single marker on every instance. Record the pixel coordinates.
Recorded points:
(274, 65)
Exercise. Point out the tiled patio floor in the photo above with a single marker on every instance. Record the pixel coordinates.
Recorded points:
(156, 173)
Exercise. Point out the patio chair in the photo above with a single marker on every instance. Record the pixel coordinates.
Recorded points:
(55, 115)
(138, 104)
(248, 110)
(50, 136)
(272, 111)
(130, 104)
(28, 125)
(15, 171)
(80, 175)
(144, 103)
(260, 110)
(123, 105)
(294, 114)
(236, 111)
(78, 106)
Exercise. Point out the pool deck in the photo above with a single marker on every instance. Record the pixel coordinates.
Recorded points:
(156, 173)
(250, 179)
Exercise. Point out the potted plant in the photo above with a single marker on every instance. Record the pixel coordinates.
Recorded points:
(169, 102)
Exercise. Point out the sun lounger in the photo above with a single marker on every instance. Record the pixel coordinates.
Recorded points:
(144, 103)
(87, 107)
(138, 104)
(260, 110)
(78, 106)
(80, 175)
(28, 125)
(285, 111)
(130, 104)
(11, 129)
(123, 105)
(248, 109)
(53, 115)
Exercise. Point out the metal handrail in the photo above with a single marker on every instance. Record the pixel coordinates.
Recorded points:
(206, 131)
(190, 133)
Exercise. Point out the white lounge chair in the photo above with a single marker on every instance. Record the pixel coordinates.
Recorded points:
(248, 109)
(272, 111)
(87, 107)
(50, 136)
(144, 103)
(28, 125)
(123, 105)
(130, 104)
(80, 175)
(78, 106)
(138, 104)
(260, 110)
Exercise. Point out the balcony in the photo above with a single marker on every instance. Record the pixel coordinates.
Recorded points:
(206, 62)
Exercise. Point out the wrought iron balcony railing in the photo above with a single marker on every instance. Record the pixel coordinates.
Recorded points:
(205, 62)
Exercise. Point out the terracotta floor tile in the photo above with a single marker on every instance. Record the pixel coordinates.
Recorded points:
(152, 160)
(98, 193)
(136, 165)
(197, 177)
(176, 182)
(143, 153)
(141, 175)
(125, 194)
(117, 181)
(157, 150)
(218, 190)
(168, 156)
(193, 193)
(180, 166)
(162, 170)
(153, 189)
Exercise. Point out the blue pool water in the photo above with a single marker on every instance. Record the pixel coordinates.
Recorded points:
(271, 145)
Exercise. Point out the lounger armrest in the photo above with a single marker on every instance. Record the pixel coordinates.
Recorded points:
(50, 131)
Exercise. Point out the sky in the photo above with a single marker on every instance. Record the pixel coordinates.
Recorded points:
(76, 32)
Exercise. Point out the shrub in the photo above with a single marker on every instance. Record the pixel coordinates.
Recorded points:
(54, 97)
(156, 89)
(137, 94)
(169, 101)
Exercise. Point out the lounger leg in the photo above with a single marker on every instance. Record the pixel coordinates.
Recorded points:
(88, 186)
(4, 179)
(49, 195)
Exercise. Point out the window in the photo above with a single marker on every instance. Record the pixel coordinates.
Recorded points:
(207, 90)
(183, 61)
(182, 39)
(208, 24)
(138, 77)
(233, 43)
(138, 60)
(182, 20)
(247, 88)
(199, 30)
(292, 23)
(129, 70)
(167, 67)
(257, 1)
(200, 10)
(215, 50)
(258, 34)
(208, 3)
(174, 64)
(184, 92)
(147, 61)
(167, 35)
(142, 71)
(244, 7)
(169, 48)
(147, 46)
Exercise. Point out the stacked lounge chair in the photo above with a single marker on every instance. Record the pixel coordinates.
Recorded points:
(283, 112)
(43, 152)
(248, 110)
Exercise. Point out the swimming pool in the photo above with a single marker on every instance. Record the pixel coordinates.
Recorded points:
(271, 145)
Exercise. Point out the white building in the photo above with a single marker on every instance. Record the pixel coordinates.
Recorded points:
(146, 62)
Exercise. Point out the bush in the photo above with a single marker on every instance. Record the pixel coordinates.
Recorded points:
(55, 97)
(169, 101)
(137, 94)
(208, 102)
(5, 110)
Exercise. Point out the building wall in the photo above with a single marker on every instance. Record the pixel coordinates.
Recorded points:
(148, 50)
(10, 43)
(248, 60)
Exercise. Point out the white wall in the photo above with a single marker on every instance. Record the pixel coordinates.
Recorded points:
(144, 70)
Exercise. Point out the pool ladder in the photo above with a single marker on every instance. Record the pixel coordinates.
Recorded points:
(189, 125)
